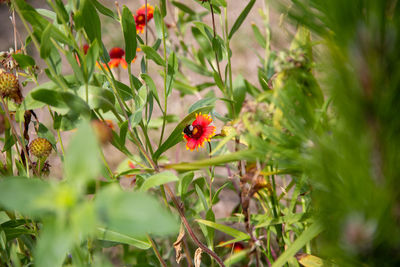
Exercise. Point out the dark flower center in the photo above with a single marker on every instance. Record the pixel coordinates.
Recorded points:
(140, 19)
(117, 52)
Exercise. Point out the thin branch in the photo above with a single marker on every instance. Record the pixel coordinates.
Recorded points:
(190, 230)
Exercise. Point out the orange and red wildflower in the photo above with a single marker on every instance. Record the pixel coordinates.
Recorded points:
(117, 58)
(200, 131)
(237, 247)
(140, 18)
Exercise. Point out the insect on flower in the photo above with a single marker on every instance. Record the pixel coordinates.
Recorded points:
(200, 131)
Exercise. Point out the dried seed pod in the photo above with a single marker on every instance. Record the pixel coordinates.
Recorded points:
(40, 147)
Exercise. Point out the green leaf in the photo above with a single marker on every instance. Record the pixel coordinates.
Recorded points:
(54, 243)
(201, 197)
(300, 242)
(196, 67)
(239, 93)
(44, 132)
(184, 183)
(24, 61)
(91, 59)
(287, 219)
(208, 101)
(124, 90)
(82, 159)
(196, 165)
(159, 23)
(140, 100)
(23, 195)
(163, 8)
(203, 42)
(77, 69)
(158, 179)
(90, 20)
(241, 18)
(172, 69)
(108, 235)
(215, 197)
(129, 30)
(225, 229)
(133, 213)
(152, 86)
(184, 8)
(99, 98)
(46, 45)
(260, 38)
(153, 55)
(176, 135)
(104, 10)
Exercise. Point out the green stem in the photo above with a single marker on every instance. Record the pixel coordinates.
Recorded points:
(215, 37)
(159, 257)
(227, 44)
(106, 164)
(165, 83)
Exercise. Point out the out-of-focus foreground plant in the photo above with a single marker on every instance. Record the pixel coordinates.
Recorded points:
(310, 150)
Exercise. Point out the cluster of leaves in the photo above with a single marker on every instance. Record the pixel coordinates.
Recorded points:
(316, 157)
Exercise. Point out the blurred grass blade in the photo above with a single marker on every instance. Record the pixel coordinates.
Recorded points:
(240, 155)
(113, 236)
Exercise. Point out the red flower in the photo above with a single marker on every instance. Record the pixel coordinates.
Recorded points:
(117, 57)
(237, 247)
(140, 18)
(85, 48)
(198, 132)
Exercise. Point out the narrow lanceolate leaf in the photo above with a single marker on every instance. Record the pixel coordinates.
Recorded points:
(184, 8)
(113, 236)
(225, 229)
(90, 21)
(196, 165)
(300, 242)
(172, 69)
(241, 18)
(129, 29)
(176, 135)
(153, 55)
(104, 10)
(158, 179)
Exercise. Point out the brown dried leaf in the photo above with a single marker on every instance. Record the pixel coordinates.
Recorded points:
(178, 244)
(197, 257)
